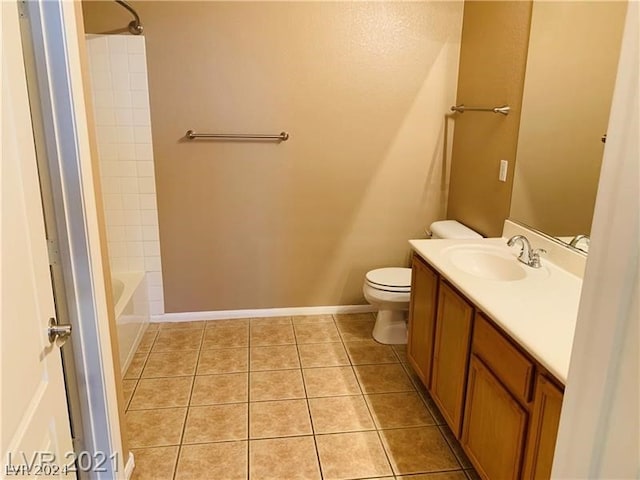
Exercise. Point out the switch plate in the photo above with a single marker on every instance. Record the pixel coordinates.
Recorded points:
(504, 167)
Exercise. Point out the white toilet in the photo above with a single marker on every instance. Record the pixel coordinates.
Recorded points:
(388, 289)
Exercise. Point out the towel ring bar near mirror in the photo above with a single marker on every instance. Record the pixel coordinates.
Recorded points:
(281, 137)
(503, 109)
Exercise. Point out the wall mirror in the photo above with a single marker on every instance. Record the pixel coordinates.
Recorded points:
(570, 75)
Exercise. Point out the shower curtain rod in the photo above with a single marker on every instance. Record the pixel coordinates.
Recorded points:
(135, 27)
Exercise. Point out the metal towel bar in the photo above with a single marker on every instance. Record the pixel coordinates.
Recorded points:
(282, 137)
(504, 109)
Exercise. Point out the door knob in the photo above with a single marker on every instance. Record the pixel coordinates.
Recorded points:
(58, 332)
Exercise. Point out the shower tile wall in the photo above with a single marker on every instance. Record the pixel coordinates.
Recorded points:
(118, 69)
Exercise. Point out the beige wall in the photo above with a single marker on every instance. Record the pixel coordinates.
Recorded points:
(571, 69)
(492, 67)
(362, 88)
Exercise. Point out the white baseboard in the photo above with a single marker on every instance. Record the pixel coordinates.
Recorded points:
(130, 465)
(264, 312)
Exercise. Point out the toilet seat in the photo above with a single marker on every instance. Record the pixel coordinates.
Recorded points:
(391, 279)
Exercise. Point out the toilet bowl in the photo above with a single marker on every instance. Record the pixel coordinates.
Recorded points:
(389, 289)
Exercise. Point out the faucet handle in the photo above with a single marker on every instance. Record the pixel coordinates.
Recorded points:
(534, 260)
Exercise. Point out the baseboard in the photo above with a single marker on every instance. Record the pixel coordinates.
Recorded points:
(264, 312)
(130, 465)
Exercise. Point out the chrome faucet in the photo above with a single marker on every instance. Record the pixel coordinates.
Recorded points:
(528, 256)
(577, 239)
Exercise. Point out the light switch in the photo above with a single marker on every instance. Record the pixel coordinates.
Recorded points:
(504, 167)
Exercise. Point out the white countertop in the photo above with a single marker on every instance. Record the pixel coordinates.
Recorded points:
(539, 311)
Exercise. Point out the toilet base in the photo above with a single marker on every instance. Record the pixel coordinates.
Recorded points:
(391, 327)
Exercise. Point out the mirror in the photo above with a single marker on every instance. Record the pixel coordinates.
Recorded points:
(571, 70)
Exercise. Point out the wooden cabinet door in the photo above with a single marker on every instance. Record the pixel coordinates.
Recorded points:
(451, 355)
(422, 313)
(541, 442)
(494, 425)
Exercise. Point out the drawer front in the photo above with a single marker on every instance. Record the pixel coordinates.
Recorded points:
(513, 369)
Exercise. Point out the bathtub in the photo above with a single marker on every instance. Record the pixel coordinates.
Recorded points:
(132, 312)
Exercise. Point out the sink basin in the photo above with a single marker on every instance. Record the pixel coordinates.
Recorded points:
(491, 263)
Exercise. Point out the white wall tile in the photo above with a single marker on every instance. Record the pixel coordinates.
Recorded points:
(117, 65)
(151, 249)
(146, 185)
(136, 264)
(138, 81)
(148, 201)
(129, 185)
(130, 201)
(156, 308)
(145, 169)
(152, 263)
(133, 233)
(150, 233)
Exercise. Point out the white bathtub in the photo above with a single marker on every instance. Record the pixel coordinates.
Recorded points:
(132, 312)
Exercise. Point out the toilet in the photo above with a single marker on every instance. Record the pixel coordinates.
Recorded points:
(388, 289)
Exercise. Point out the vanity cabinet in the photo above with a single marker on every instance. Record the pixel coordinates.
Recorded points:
(543, 430)
(422, 311)
(451, 354)
(496, 414)
(501, 404)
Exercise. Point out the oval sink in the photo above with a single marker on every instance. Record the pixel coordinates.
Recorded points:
(490, 264)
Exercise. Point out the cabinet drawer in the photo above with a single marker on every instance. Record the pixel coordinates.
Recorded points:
(513, 369)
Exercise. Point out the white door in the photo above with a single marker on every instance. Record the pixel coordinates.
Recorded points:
(34, 422)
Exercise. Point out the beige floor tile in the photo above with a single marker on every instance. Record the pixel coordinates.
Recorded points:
(264, 335)
(352, 455)
(275, 385)
(285, 320)
(455, 475)
(147, 340)
(455, 446)
(213, 461)
(418, 450)
(355, 317)
(155, 428)
(136, 366)
(369, 352)
(383, 378)
(312, 319)
(330, 382)
(156, 463)
(178, 339)
(228, 322)
(355, 330)
(340, 414)
(283, 458)
(171, 364)
(316, 333)
(216, 423)
(280, 357)
(152, 327)
(323, 355)
(282, 418)
(225, 360)
(180, 325)
(128, 387)
(161, 393)
(395, 410)
(401, 352)
(224, 388)
(226, 337)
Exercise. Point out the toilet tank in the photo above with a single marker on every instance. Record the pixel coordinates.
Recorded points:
(452, 229)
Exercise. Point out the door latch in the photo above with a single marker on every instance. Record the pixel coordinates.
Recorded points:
(58, 332)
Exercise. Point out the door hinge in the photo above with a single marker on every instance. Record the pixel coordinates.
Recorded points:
(54, 252)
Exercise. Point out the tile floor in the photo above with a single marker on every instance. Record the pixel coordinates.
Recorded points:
(282, 398)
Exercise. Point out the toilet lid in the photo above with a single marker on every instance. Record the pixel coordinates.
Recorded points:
(394, 277)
